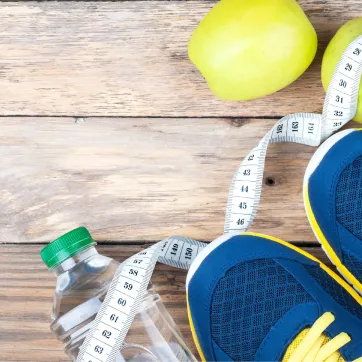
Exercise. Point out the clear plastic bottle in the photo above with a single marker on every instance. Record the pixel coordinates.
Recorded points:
(83, 279)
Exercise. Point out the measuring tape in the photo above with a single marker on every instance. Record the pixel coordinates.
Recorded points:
(129, 285)
(124, 296)
(340, 107)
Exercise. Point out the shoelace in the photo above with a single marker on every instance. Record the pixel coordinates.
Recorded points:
(311, 349)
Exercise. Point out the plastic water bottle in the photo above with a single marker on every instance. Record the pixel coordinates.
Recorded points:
(83, 279)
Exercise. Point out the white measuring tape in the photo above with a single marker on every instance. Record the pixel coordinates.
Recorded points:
(130, 282)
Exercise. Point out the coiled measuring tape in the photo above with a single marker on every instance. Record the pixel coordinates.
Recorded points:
(130, 282)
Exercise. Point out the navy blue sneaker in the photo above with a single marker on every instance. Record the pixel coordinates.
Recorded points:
(252, 297)
(333, 201)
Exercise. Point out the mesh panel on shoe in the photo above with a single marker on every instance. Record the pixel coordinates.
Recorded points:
(248, 301)
(349, 198)
(335, 290)
(353, 265)
(349, 209)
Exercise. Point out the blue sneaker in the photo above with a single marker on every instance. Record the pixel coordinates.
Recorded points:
(256, 298)
(333, 201)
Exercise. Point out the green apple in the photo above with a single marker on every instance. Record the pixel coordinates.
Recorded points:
(247, 49)
(344, 36)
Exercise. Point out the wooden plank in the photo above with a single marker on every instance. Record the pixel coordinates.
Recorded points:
(141, 179)
(130, 59)
(26, 291)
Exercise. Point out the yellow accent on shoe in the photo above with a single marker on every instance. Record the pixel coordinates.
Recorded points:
(328, 249)
(194, 335)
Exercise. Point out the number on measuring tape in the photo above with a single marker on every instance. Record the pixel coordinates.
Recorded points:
(130, 283)
(180, 253)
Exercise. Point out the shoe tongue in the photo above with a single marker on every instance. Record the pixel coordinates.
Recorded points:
(297, 341)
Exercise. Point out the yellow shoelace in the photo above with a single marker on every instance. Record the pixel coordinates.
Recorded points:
(312, 347)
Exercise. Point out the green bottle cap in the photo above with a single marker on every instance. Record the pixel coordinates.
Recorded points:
(66, 246)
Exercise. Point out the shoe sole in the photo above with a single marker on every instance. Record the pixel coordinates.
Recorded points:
(211, 247)
(327, 248)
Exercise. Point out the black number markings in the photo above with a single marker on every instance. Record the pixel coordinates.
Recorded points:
(343, 83)
(106, 334)
(348, 67)
(240, 222)
(128, 286)
(244, 188)
(98, 349)
(295, 126)
(279, 128)
(243, 205)
(188, 253)
(133, 272)
(122, 302)
(174, 249)
(310, 128)
(113, 318)
(339, 99)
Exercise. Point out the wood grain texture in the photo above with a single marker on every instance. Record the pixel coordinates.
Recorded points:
(140, 179)
(129, 58)
(26, 291)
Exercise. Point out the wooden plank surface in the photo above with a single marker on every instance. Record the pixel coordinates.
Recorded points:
(26, 292)
(140, 179)
(129, 179)
(129, 58)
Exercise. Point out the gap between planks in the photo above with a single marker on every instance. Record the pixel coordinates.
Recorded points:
(143, 243)
(85, 117)
(141, 179)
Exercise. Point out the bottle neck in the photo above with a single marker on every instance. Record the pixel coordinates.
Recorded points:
(75, 259)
